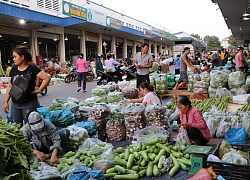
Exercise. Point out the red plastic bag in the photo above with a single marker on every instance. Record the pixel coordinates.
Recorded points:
(202, 175)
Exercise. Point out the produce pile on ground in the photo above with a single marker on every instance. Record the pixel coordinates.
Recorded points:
(192, 79)
(15, 152)
(161, 84)
(220, 103)
(148, 159)
(155, 116)
(236, 83)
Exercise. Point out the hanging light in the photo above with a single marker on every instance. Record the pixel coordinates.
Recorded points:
(245, 14)
(55, 38)
(78, 37)
(1, 36)
(246, 18)
(66, 38)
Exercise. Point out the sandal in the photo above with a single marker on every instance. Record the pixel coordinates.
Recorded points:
(84, 91)
(79, 89)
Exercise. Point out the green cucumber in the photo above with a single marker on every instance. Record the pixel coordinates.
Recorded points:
(127, 176)
(119, 169)
(149, 172)
(110, 175)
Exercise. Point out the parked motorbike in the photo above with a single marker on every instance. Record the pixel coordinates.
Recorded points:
(72, 75)
(105, 77)
(90, 75)
(129, 73)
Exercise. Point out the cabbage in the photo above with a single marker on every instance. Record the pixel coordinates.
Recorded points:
(114, 97)
(218, 78)
(154, 68)
(152, 81)
(161, 84)
(99, 92)
(239, 90)
(212, 92)
(236, 79)
(107, 69)
(205, 76)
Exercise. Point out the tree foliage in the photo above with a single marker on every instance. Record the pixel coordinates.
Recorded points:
(213, 43)
(232, 41)
(197, 36)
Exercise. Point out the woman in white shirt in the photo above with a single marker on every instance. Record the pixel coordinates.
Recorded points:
(149, 97)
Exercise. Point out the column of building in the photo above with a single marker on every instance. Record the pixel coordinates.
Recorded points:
(125, 48)
(83, 43)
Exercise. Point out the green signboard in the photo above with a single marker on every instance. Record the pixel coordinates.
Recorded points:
(113, 23)
(73, 10)
(147, 33)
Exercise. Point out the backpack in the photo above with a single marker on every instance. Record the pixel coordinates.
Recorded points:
(20, 87)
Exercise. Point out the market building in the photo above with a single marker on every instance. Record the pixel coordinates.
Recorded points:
(63, 29)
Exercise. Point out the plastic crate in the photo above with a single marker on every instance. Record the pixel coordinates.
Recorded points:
(231, 171)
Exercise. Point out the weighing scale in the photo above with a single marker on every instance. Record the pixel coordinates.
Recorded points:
(198, 157)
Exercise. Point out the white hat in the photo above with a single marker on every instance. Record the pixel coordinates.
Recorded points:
(35, 121)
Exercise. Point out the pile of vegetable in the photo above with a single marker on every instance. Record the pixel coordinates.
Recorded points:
(99, 92)
(201, 87)
(134, 119)
(205, 76)
(218, 78)
(161, 84)
(220, 103)
(97, 114)
(15, 152)
(130, 92)
(237, 83)
(107, 69)
(192, 79)
(114, 97)
(155, 116)
(205, 105)
(77, 136)
(154, 67)
(147, 160)
(115, 127)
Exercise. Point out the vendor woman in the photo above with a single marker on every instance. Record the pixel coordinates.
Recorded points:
(192, 120)
(149, 97)
(44, 137)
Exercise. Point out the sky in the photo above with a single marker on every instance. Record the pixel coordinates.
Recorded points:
(191, 16)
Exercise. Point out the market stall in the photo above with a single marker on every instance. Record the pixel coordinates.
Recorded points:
(100, 125)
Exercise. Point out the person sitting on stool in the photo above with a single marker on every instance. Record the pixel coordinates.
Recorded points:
(44, 137)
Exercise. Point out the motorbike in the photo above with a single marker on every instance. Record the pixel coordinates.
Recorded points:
(129, 73)
(105, 77)
(90, 75)
(71, 76)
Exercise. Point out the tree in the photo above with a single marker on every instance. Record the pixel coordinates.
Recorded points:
(213, 43)
(197, 36)
(232, 41)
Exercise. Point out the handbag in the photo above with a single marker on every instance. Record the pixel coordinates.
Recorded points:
(20, 87)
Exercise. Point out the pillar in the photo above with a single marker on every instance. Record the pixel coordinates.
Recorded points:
(113, 45)
(134, 49)
(125, 48)
(83, 44)
(34, 46)
(155, 50)
(99, 43)
(149, 48)
(61, 49)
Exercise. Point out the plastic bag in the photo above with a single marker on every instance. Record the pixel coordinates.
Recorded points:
(62, 118)
(152, 81)
(248, 82)
(236, 79)
(238, 91)
(89, 126)
(212, 92)
(234, 158)
(95, 146)
(87, 174)
(202, 174)
(46, 172)
(168, 113)
(224, 148)
(123, 84)
(245, 117)
(174, 117)
(84, 109)
(71, 105)
(220, 92)
(182, 139)
(205, 76)
(99, 92)
(200, 91)
(212, 125)
(218, 78)
(99, 111)
(104, 165)
(44, 111)
(88, 102)
(74, 100)
(223, 127)
(133, 83)
(155, 112)
(130, 92)
(58, 102)
(201, 84)
(161, 84)
(114, 97)
(240, 99)
(150, 133)
(236, 135)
